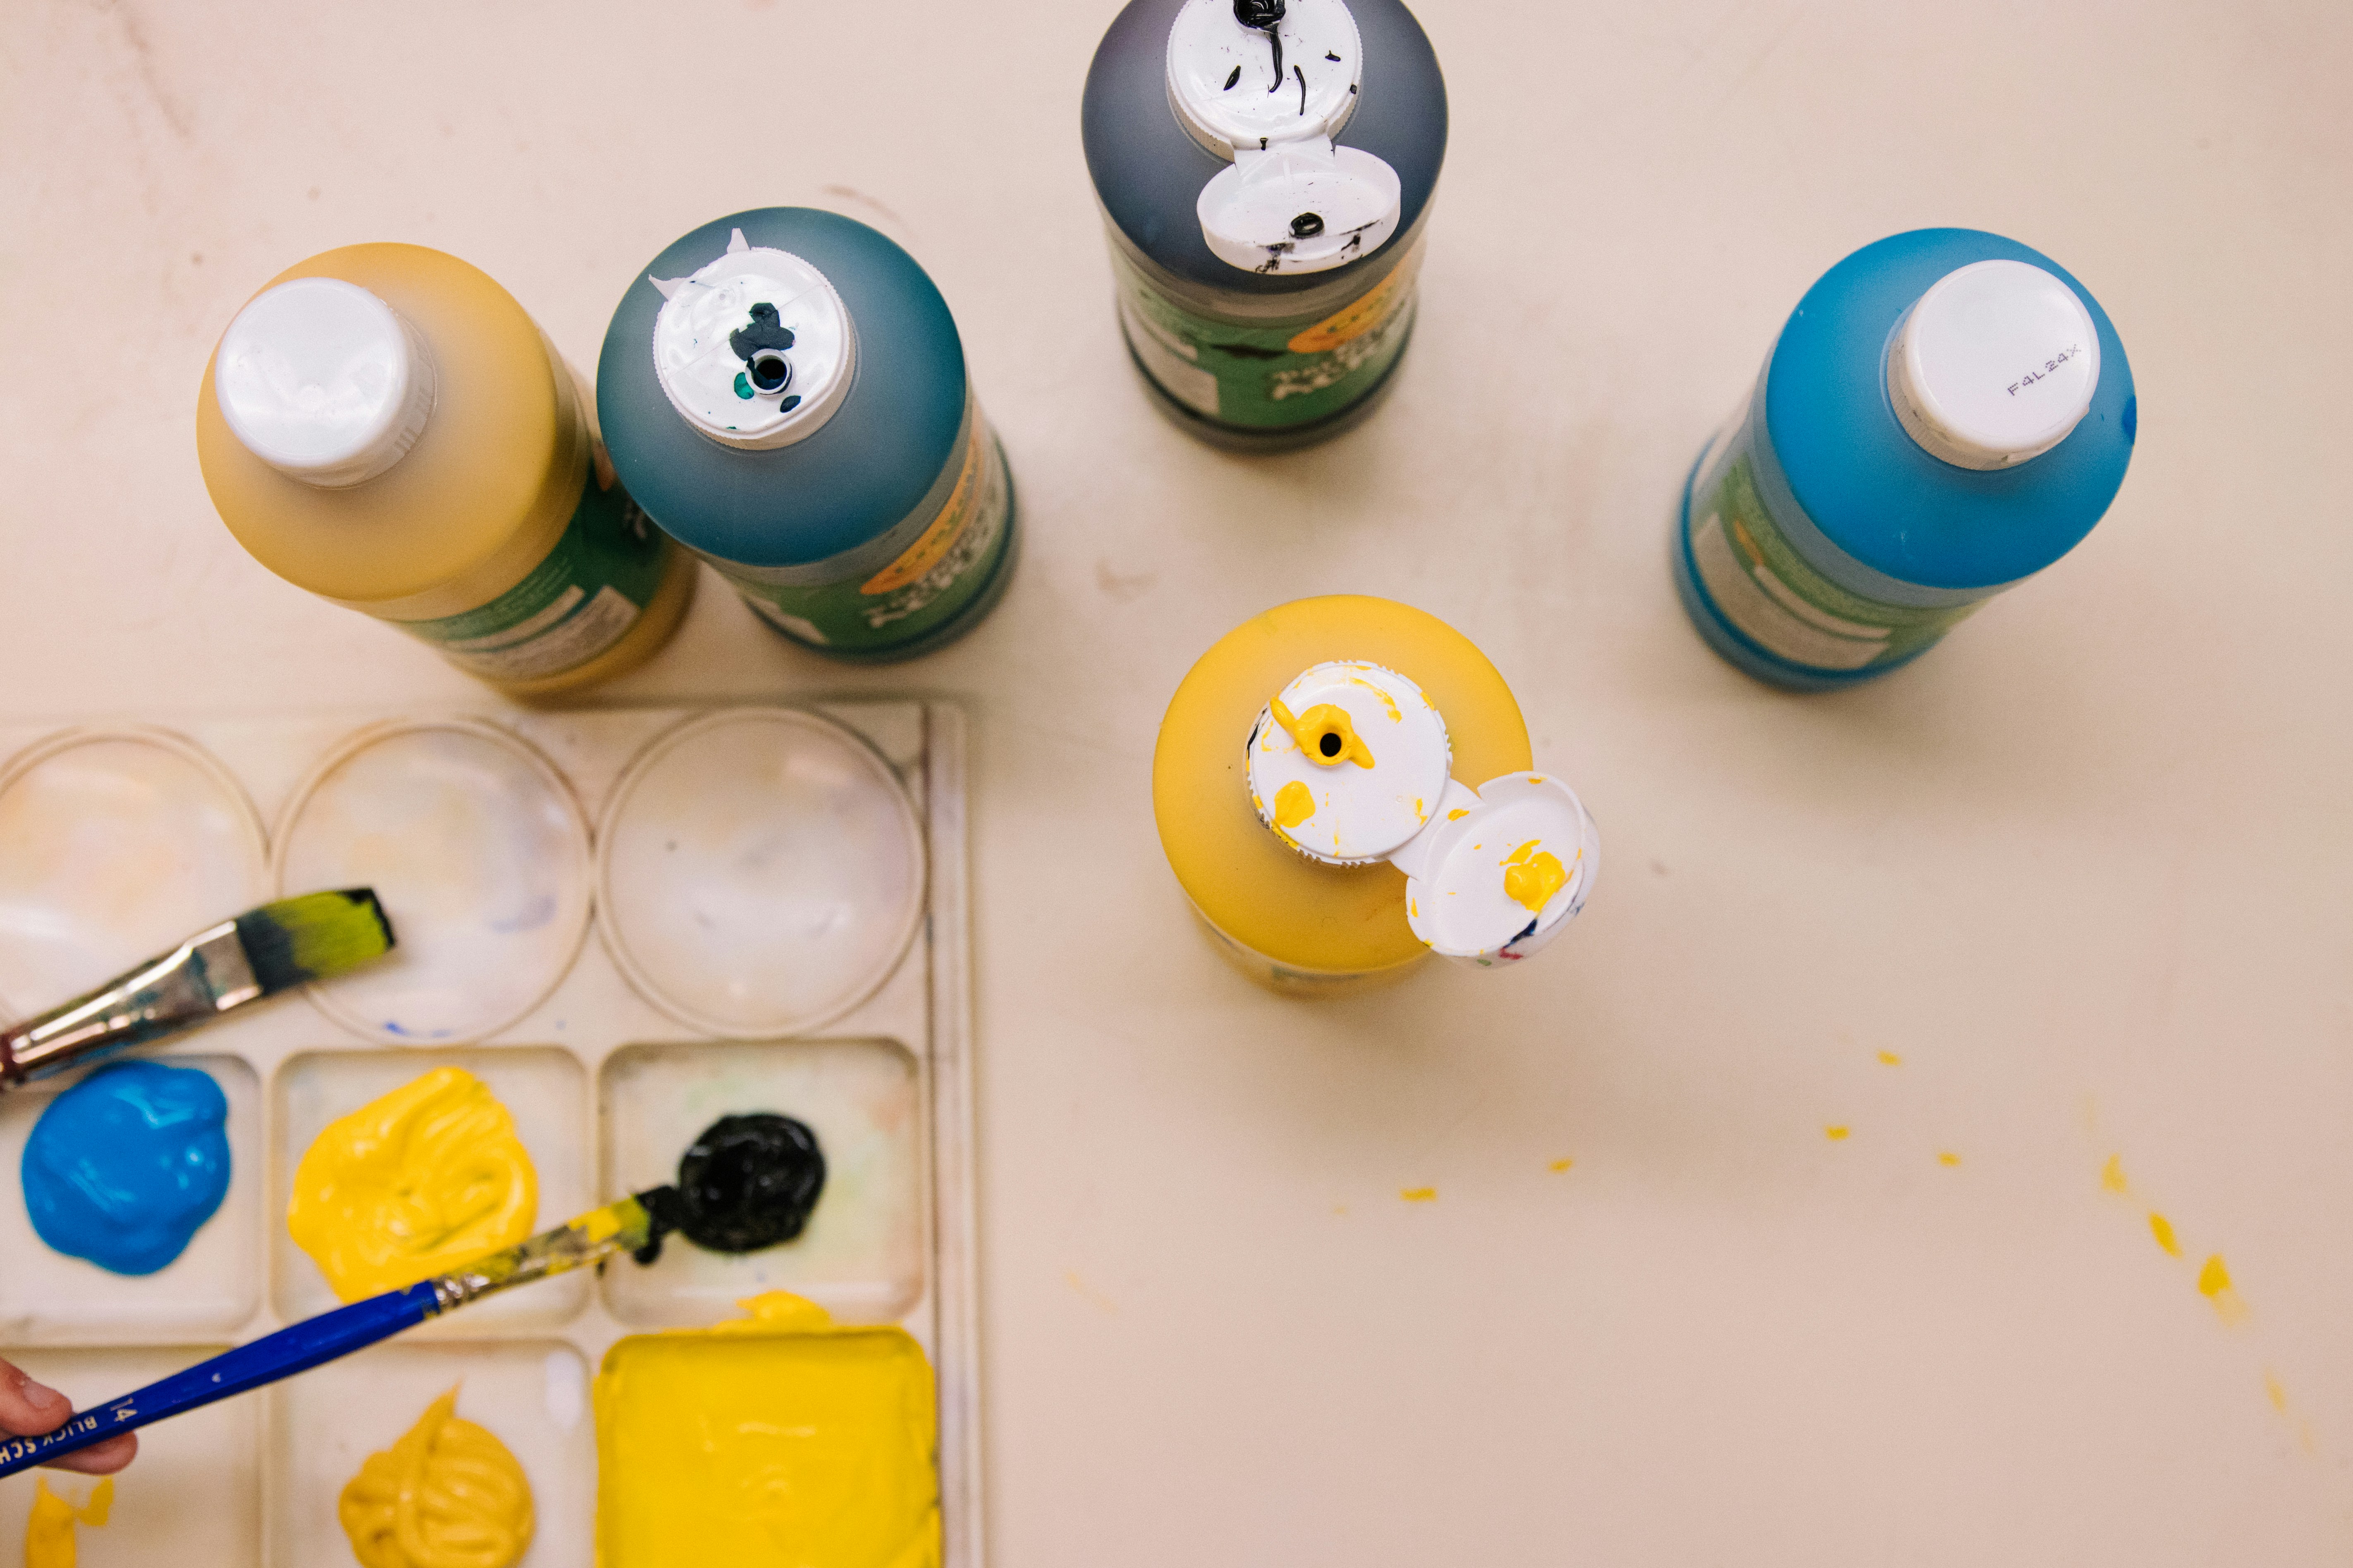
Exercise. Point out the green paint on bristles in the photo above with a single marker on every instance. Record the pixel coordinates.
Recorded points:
(315, 937)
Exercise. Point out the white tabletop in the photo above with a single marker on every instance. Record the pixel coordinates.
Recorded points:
(2085, 870)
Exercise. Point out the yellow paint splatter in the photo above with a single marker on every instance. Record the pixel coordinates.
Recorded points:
(2272, 1387)
(1532, 876)
(2112, 1174)
(1294, 802)
(1891, 1058)
(1326, 734)
(1558, 1166)
(2162, 1228)
(2214, 1284)
(1948, 1158)
(1836, 1135)
(1418, 1194)
(1457, 815)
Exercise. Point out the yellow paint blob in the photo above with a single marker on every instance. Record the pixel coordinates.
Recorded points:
(1558, 1166)
(1418, 1194)
(1889, 1059)
(1458, 814)
(1948, 1158)
(2277, 1394)
(1836, 1135)
(2112, 1177)
(1326, 734)
(779, 1439)
(49, 1532)
(2214, 1284)
(2162, 1228)
(448, 1494)
(1532, 876)
(428, 1177)
(1294, 802)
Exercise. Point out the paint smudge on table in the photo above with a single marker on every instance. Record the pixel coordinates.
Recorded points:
(1418, 1194)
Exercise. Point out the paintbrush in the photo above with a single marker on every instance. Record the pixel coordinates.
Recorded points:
(259, 954)
(748, 1182)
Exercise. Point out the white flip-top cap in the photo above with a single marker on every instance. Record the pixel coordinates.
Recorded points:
(1350, 765)
(754, 349)
(1269, 83)
(1993, 365)
(323, 382)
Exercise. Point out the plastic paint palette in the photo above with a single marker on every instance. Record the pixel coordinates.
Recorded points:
(778, 900)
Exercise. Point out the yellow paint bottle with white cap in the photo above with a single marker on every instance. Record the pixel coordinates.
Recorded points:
(384, 425)
(1307, 787)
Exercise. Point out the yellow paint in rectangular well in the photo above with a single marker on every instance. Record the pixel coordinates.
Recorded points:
(782, 1440)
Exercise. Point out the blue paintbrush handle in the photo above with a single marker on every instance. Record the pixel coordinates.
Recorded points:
(266, 1359)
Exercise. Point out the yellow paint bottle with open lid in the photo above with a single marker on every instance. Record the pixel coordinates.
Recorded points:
(1308, 787)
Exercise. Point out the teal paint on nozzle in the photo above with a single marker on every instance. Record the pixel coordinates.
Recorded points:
(1945, 413)
(784, 392)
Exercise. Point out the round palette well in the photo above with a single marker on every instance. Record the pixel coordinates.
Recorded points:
(116, 845)
(480, 854)
(760, 872)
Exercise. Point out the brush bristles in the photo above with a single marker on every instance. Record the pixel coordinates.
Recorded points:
(315, 937)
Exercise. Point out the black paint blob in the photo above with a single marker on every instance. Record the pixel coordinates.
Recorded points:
(747, 1182)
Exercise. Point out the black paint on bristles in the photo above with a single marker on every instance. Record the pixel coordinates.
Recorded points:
(315, 937)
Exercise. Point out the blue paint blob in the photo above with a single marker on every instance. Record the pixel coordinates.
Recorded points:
(124, 1167)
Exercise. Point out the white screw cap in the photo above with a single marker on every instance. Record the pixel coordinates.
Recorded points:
(1271, 99)
(323, 382)
(1348, 762)
(1993, 365)
(754, 349)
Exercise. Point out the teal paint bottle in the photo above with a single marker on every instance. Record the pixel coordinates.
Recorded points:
(1265, 169)
(1946, 413)
(784, 393)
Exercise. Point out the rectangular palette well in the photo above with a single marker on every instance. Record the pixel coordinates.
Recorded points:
(583, 900)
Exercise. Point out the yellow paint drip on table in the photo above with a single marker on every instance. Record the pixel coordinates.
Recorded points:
(2162, 1228)
(782, 1439)
(448, 1494)
(50, 1540)
(1418, 1194)
(428, 1177)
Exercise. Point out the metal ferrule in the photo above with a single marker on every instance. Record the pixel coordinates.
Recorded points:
(207, 975)
(624, 1227)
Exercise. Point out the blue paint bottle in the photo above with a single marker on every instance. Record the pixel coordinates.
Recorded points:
(789, 389)
(1945, 413)
(125, 1167)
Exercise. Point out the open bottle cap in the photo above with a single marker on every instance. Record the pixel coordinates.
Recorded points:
(1994, 366)
(1350, 765)
(323, 382)
(1268, 84)
(754, 349)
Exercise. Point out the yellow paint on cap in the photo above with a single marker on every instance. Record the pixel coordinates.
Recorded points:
(429, 1176)
(1532, 876)
(778, 1440)
(446, 1494)
(1294, 802)
(49, 1531)
(1325, 733)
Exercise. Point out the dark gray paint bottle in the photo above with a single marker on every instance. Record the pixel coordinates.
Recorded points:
(1265, 168)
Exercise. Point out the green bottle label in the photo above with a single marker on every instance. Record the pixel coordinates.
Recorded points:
(1758, 582)
(1268, 377)
(573, 606)
(936, 566)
